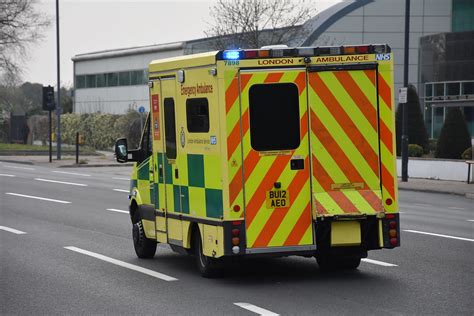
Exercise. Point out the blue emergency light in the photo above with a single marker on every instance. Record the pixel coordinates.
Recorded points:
(231, 54)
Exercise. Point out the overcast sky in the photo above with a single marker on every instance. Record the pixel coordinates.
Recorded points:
(94, 25)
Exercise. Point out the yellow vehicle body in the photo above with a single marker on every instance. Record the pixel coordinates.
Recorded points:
(285, 151)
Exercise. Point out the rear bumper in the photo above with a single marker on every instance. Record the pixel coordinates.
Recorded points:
(359, 235)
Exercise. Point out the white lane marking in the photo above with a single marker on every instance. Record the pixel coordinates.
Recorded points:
(123, 264)
(23, 168)
(125, 179)
(456, 208)
(73, 173)
(380, 263)
(438, 235)
(12, 230)
(7, 175)
(255, 309)
(116, 210)
(121, 190)
(37, 198)
(424, 205)
(61, 182)
(470, 220)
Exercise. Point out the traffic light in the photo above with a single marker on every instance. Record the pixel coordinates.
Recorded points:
(48, 99)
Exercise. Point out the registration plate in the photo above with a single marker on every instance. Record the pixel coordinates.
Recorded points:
(278, 199)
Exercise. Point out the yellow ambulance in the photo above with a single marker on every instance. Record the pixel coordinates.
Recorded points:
(268, 152)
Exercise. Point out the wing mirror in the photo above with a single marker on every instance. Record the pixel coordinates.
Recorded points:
(121, 150)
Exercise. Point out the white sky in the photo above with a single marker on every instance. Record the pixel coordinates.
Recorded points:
(88, 26)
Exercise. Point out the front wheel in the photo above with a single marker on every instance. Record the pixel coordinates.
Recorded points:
(208, 267)
(145, 248)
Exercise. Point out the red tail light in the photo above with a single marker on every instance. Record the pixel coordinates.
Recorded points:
(392, 224)
(394, 242)
(236, 208)
(235, 232)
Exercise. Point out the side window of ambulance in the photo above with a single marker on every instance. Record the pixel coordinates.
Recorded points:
(274, 116)
(197, 115)
(170, 128)
(145, 145)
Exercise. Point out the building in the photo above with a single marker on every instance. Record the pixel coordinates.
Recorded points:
(114, 81)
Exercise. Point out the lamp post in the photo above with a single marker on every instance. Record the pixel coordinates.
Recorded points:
(404, 105)
(58, 106)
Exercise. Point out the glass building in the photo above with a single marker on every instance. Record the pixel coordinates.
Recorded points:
(446, 62)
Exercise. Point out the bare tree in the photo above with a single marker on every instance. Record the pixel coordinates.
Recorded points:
(255, 23)
(20, 26)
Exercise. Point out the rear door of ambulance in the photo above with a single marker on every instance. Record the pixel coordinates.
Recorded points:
(345, 143)
(276, 173)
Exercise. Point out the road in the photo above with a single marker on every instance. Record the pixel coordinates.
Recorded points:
(66, 247)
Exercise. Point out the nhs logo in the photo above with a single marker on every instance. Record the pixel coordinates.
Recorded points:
(382, 57)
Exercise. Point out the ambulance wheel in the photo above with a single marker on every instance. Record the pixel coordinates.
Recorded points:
(208, 267)
(145, 248)
(331, 263)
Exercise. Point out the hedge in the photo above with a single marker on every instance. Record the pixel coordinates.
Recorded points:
(99, 130)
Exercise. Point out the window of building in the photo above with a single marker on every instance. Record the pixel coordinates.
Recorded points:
(124, 78)
(138, 77)
(197, 115)
(112, 79)
(468, 87)
(101, 80)
(274, 116)
(80, 82)
(170, 128)
(90, 81)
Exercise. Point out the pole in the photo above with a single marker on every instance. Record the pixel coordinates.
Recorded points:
(58, 104)
(404, 106)
(77, 148)
(50, 137)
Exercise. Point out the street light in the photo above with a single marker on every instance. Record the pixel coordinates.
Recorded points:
(404, 105)
(58, 106)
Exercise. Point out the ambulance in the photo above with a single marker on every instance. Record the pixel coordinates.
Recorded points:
(275, 151)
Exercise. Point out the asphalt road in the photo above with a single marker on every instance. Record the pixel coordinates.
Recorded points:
(431, 273)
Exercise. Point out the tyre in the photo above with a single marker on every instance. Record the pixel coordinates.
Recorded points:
(145, 248)
(331, 263)
(208, 267)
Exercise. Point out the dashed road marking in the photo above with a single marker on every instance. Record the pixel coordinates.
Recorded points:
(423, 205)
(7, 175)
(470, 220)
(122, 190)
(61, 182)
(255, 309)
(12, 230)
(437, 235)
(38, 198)
(380, 263)
(456, 208)
(23, 168)
(116, 210)
(123, 264)
(125, 179)
(73, 173)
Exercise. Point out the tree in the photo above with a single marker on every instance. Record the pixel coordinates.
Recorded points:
(20, 26)
(454, 138)
(416, 126)
(256, 23)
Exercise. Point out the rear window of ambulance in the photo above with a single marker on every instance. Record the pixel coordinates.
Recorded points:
(274, 116)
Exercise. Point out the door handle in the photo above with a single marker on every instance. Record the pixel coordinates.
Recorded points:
(160, 171)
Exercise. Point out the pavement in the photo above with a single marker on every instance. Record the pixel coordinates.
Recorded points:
(107, 159)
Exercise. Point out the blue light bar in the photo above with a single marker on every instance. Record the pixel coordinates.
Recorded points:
(231, 54)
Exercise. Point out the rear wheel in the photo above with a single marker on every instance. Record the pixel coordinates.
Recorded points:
(208, 267)
(331, 263)
(145, 248)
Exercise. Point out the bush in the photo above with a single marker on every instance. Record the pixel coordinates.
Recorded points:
(416, 126)
(99, 130)
(454, 137)
(432, 142)
(415, 150)
(467, 154)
